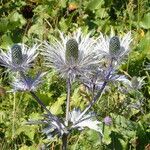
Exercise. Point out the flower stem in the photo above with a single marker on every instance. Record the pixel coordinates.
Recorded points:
(93, 101)
(68, 100)
(39, 101)
(14, 111)
(99, 94)
(65, 136)
(64, 141)
(53, 117)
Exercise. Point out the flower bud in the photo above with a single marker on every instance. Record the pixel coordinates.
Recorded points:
(114, 46)
(16, 52)
(71, 50)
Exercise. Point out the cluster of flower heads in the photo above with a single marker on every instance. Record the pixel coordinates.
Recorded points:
(75, 55)
(78, 53)
(72, 55)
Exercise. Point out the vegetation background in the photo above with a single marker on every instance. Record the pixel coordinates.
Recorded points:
(28, 21)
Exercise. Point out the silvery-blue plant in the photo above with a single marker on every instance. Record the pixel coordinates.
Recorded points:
(19, 57)
(27, 83)
(71, 55)
(77, 57)
(114, 47)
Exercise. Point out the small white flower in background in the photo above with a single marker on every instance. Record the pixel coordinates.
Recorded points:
(19, 57)
(71, 55)
(88, 120)
(107, 120)
(28, 84)
(113, 47)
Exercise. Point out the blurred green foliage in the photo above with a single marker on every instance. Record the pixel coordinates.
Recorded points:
(32, 20)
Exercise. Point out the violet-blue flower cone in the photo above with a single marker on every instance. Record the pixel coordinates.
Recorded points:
(71, 50)
(16, 52)
(114, 45)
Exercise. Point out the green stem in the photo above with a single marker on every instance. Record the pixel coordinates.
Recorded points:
(14, 112)
(68, 100)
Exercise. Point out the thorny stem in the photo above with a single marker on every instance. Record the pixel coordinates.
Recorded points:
(41, 103)
(99, 93)
(68, 99)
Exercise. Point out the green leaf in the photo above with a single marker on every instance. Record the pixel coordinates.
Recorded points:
(56, 108)
(76, 98)
(95, 4)
(107, 131)
(3, 24)
(28, 130)
(63, 24)
(144, 45)
(45, 97)
(145, 23)
(16, 20)
(6, 41)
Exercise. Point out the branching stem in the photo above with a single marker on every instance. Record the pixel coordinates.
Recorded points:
(99, 94)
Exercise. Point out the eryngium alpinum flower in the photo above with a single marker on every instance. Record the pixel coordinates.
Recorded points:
(28, 83)
(19, 57)
(71, 55)
(51, 128)
(113, 47)
(87, 121)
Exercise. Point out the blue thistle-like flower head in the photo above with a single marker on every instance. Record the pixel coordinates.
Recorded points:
(19, 57)
(113, 47)
(71, 50)
(72, 55)
(28, 83)
(51, 127)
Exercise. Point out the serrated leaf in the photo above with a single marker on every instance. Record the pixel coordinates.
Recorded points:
(15, 20)
(45, 97)
(27, 130)
(6, 41)
(76, 98)
(145, 23)
(86, 121)
(56, 108)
